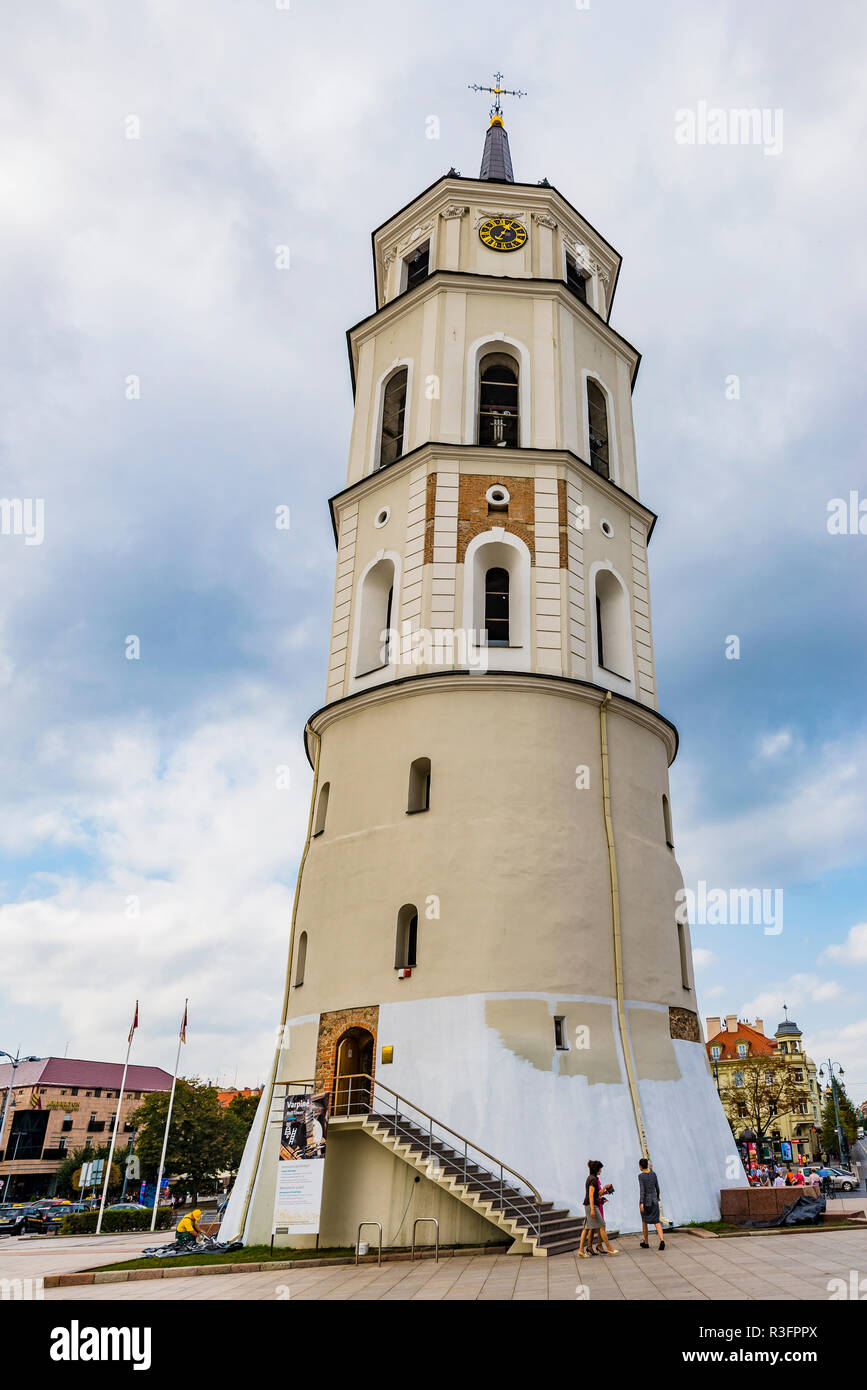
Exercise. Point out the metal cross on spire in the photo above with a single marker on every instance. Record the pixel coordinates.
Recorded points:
(496, 112)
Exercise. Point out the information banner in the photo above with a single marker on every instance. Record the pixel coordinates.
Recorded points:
(301, 1166)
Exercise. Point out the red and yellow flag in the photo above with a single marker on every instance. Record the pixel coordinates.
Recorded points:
(183, 1032)
(134, 1023)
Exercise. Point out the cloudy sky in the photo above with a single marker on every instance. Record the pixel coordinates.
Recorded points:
(166, 386)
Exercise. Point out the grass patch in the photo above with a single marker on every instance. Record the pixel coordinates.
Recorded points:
(261, 1254)
(250, 1254)
(723, 1228)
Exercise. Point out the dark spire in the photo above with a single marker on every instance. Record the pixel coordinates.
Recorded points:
(496, 158)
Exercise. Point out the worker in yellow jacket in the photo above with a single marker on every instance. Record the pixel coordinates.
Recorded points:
(188, 1230)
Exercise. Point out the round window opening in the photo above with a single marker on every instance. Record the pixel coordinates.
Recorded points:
(497, 496)
(606, 528)
(382, 517)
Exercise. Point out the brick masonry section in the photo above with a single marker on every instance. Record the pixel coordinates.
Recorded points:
(475, 516)
(683, 1023)
(332, 1026)
(429, 518)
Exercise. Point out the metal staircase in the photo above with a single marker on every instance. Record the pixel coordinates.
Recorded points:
(472, 1175)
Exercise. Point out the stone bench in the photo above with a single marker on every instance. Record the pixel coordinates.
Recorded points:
(741, 1204)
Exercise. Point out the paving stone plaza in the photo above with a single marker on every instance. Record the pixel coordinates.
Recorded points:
(789, 1267)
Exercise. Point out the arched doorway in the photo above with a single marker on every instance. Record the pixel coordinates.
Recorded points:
(353, 1065)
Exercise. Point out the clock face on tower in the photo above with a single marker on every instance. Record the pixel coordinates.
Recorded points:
(503, 234)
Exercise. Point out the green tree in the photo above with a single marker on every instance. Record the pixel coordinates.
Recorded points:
(765, 1093)
(848, 1120)
(200, 1142)
(67, 1173)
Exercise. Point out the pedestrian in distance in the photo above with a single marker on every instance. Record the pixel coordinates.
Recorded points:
(648, 1203)
(188, 1230)
(594, 1218)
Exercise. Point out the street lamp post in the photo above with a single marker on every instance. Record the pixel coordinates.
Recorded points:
(833, 1078)
(16, 1061)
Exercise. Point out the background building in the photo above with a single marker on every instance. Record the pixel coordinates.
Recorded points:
(226, 1095)
(60, 1104)
(733, 1045)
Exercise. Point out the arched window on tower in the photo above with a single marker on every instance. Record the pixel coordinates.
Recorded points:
(499, 425)
(419, 786)
(321, 809)
(666, 816)
(374, 629)
(393, 417)
(301, 959)
(497, 606)
(406, 945)
(613, 652)
(597, 417)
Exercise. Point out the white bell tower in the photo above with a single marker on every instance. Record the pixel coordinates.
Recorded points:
(485, 918)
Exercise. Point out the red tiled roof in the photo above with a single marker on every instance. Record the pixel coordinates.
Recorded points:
(71, 1071)
(760, 1046)
(225, 1097)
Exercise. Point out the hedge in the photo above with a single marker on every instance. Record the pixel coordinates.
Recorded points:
(84, 1222)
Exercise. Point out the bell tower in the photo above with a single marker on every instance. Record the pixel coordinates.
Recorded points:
(486, 905)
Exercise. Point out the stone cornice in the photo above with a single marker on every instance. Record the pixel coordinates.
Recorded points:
(442, 280)
(504, 462)
(406, 687)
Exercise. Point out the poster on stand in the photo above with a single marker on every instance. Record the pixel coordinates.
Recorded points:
(301, 1165)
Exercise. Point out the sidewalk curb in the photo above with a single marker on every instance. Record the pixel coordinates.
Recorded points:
(122, 1276)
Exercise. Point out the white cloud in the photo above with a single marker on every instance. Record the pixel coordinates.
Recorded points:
(192, 852)
(854, 949)
(772, 745)
(702, 959)
(813, 824)
(845, 1044)
(799, 989)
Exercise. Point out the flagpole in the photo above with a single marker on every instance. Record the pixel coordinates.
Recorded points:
(116, 1122)
(181, 1039)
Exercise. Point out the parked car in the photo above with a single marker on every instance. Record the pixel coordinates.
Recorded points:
(47, 1217)
(13, 1218)
(842, 1179)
